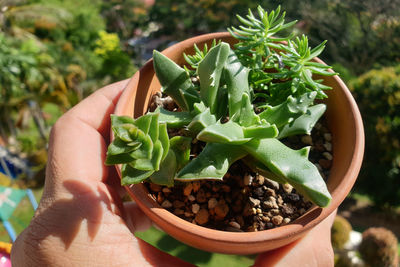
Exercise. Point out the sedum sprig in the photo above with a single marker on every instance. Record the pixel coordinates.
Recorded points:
(259, 49)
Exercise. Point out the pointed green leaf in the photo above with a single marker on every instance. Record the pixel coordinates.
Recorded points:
(201, 121)
(172, 78)
(292, 166)
(164, 139)
(212, 163)
(289, 110)
(305, 123)
(152, 163)
(165, 176)
(260, 131)
(181, 146)
(236, 77)
(118, 159)
(119, 147)
(174, 119)
(133, 176)
(209, 71)
(227, 133)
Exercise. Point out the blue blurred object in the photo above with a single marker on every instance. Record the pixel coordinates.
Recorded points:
(12, 165)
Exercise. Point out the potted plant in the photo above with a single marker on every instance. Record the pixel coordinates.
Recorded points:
(220, 111)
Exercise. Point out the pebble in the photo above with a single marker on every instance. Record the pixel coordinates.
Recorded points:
(307, 139)
(221, 210)
(286, 220)
(271, 183)
(328, 146)
(277, 220)
(166, 190)
(260, 179)
(191, 198)
(178, 204)
(254, 202)
(212, 203)
(234, 224)
(327, 155)
(328, 136)
(188, 189)
(247, 179)
(202, 216)
(195, 208)
(166, 204)
(288, 209)
(287, 188)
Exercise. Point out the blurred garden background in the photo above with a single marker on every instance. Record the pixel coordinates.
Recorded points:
(53, 53)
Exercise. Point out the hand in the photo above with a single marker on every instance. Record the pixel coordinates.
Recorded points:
(81, 220)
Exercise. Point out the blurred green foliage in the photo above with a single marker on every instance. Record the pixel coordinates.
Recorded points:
(52, 51)
(378, 95)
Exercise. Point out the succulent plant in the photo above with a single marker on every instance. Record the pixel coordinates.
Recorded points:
(379, 247)
(220, 112)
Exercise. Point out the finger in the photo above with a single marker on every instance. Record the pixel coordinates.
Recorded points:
(314, 249)
(77, 148)
(95, 110)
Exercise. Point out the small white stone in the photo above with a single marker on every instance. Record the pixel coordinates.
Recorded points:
(247, 179)
(212, 203)
(195, 208)
(191, 198)
(327, 155)
(328, 146)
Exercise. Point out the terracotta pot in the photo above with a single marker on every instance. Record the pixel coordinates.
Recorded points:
(344, 122)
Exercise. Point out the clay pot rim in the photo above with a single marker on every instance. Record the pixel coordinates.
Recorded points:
(168, 221)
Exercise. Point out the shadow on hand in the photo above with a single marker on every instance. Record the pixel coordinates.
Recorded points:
(64, 217)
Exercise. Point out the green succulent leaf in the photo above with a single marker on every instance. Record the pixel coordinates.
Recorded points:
(291, 166)
(226, 133)
(133, 176)
(260, 131)
(210, 71)
(181, 146)
(236, 77)
(165, 176)
(174, 120)
(288, 111)
(212, 163)
(305, 123)
(152, 163)
(173, 78)
(201, 121)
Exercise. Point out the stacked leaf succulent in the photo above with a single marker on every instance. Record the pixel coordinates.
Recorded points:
(260, 74)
